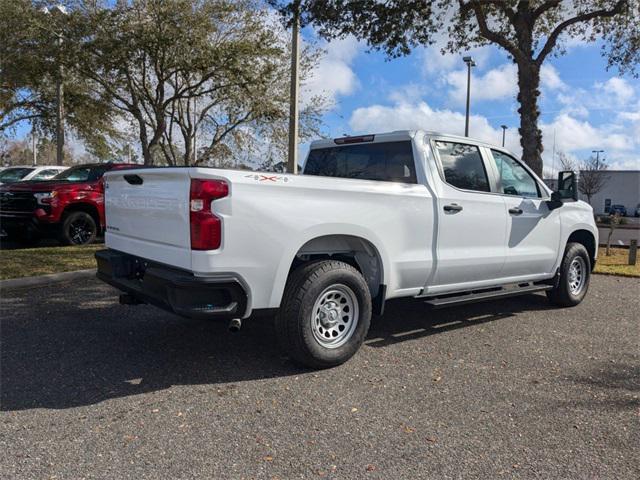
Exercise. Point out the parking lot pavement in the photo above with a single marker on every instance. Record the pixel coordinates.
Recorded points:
(621, 236)
(512, 389)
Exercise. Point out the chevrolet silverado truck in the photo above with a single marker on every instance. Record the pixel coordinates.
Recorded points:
(69, 206)
(442, 218)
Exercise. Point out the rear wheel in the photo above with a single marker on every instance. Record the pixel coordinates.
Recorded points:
(78, 228)
(325, 314)
(575, 273)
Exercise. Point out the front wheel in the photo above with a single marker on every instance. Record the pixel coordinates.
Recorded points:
(78, 228)
(325, 314)
(575, 274)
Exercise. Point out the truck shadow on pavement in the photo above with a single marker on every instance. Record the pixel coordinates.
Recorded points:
(72, 345)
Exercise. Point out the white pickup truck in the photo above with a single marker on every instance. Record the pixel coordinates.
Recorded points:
(404, 214)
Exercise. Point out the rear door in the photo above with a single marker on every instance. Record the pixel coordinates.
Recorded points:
(533, 231)
(147, 214)
(471, 219)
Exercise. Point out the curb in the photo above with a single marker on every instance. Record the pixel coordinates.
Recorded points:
(46, 279)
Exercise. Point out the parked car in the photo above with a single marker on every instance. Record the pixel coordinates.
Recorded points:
(442, 218)
(69, 206)
(25, 173)
(619, 209)
(637, 212)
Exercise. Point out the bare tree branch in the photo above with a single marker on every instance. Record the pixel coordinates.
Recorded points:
(477, 7)
(585, 17)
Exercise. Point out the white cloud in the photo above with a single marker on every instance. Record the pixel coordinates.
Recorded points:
(614, 94)
(434, 62)
(616, 90)
(550, 78)
(411, 92)
(573, 136)
(497, 83)
(334, 75)
(419, 115)
(579, 137)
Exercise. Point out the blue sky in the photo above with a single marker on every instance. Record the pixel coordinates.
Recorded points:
(585, 106)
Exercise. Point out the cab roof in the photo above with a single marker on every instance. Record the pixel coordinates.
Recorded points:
(397, 135)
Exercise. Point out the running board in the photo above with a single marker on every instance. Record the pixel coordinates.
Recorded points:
(464, 298)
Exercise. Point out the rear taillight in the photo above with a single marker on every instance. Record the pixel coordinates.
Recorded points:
(206, 228)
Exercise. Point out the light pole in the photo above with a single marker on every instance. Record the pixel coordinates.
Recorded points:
(33, 144)
(195, 131)
(292, 161)
(597, 152)
(59, 10)
(470, 63)
(504, 130)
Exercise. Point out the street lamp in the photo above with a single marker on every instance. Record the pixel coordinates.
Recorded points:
(470, 63)
(504, 130)
(59, 10)
(597, 152)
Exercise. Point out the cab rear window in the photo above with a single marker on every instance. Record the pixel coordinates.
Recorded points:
(386, 162)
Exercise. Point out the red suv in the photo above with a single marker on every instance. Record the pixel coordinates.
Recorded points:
(69, 206)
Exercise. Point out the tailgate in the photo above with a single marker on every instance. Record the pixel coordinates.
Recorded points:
(147, 214)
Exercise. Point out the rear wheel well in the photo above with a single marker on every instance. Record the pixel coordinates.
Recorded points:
(355, 251)
(587, 239)
(84, 207)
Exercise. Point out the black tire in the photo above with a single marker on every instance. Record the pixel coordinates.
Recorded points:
(78, 228)
(564, 294)
(298, 327)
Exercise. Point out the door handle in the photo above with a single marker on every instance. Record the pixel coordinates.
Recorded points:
(515, 211)
(454, 207)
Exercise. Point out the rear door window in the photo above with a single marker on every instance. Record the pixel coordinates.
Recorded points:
(387, 162)
(462, 166)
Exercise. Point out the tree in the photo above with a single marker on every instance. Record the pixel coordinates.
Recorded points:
(16, 152)
(530, 31)
(614, 221)
(592, 177)
(29, 60)
(186, 66)
(566, 162)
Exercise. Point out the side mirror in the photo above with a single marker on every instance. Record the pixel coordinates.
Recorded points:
(567, 190)
(568, 185)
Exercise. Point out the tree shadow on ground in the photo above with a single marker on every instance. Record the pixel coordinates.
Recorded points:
(72, 345)
(611, 386)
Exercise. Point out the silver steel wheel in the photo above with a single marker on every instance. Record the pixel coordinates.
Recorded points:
(577, 275)
(334, 317)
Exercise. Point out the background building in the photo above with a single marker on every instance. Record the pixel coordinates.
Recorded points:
(621, 187)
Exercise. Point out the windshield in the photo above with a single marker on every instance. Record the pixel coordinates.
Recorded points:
(82, 173)
(14, 174)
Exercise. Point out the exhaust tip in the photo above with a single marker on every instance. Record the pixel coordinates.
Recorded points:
(235, 325)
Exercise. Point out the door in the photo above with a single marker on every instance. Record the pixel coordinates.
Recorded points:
(533, 231)
(471, 219)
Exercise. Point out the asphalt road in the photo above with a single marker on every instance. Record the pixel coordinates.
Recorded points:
(621, 236)
(509, 389)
